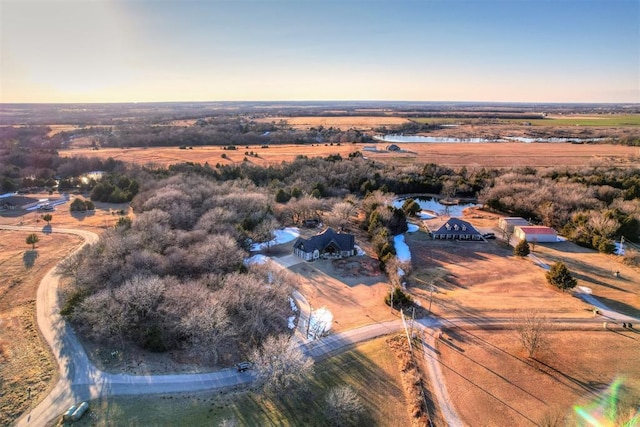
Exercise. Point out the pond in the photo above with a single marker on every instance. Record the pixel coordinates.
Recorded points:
(440, 139)
(432, 207)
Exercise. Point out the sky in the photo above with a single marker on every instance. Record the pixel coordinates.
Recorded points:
(273, 50)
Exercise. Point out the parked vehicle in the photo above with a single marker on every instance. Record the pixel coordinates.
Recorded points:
(243, 366)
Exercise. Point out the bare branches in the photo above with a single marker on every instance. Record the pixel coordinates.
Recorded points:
(532, 328)
(280, 365)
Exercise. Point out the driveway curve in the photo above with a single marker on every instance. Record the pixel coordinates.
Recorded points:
(81, 380)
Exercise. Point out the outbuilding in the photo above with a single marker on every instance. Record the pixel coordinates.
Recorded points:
(507, 224)
(536, 233)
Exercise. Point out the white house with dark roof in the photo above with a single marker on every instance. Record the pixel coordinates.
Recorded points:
(535, 233)
(456, 229)
(328, 244)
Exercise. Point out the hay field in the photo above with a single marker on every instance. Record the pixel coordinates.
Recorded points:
(341, 122)
(446, 154)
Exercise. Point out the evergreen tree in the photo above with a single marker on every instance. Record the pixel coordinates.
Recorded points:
(32, 239)
(560, 277)
(522, 248)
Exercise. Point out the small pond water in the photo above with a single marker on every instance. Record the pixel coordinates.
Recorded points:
(432, 206)
(441, 139)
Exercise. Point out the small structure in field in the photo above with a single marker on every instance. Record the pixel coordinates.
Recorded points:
(328, 244)
(393, 147)
(536, 233)
(509, 223)
(456, 229)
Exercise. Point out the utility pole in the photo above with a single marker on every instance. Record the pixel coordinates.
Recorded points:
(431, 297)
(309, 319)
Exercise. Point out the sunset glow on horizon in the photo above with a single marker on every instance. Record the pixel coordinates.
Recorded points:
(145, 51)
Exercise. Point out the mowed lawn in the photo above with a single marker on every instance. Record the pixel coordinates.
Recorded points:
(370, 368)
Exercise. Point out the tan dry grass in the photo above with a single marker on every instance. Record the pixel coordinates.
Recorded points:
(453, 155)
(55, 129)
(26, 362)
(340, 122)
(485, 279)
(493, 383)
(104, 216)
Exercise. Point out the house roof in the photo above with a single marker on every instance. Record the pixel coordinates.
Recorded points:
(343, 241)
(515, 220)
(456, 226)
(17, 200)
(537, 229)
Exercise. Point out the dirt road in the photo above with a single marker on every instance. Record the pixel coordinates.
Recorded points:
(81, 380)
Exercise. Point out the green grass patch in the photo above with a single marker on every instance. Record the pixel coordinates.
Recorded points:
(604, 121)
(370, 368)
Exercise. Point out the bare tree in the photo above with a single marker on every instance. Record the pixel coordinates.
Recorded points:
(280, 365)
(343, 406)
(532, 328)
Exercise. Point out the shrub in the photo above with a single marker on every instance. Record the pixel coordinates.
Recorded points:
(631, 257)
(411, 207)
(72, 302)
(522, 248)
(400, 298)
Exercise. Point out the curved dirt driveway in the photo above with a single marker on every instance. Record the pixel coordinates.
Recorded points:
(81, 380)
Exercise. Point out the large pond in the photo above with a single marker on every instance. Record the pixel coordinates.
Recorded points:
(431, 207)
(440, 139)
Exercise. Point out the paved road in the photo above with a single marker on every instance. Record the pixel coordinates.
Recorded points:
(81, 380)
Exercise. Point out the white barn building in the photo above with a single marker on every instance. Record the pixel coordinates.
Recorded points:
(509, 223)
(536, 233)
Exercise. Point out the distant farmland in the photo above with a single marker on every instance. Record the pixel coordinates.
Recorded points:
(558, 121)
(446, 154)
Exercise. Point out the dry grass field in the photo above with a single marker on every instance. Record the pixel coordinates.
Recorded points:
(27, 369)
(488, 374)
(362, 123)
(485, 279)
(370, 368)
(493, 383)
(452, 155)
(104, 216)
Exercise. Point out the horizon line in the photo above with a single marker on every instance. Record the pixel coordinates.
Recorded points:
(373, 101)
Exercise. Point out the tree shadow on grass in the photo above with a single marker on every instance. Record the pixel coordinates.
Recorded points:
(306, 406)
(620, 307)
(29, 258)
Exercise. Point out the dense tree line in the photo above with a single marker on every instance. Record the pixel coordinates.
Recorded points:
(29, 159)
(591, 206)
(175, 278)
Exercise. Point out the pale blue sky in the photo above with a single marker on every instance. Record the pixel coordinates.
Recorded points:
(427, 50)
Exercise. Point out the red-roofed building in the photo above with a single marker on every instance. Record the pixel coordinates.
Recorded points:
(535, 233)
